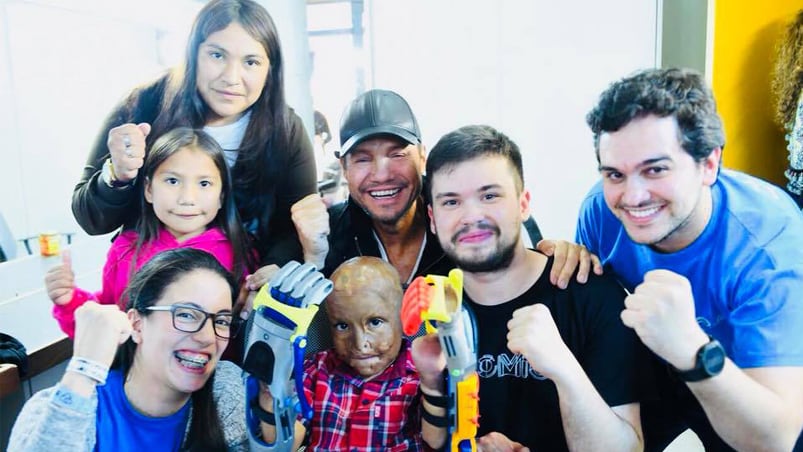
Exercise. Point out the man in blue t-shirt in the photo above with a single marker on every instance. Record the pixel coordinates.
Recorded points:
(713, 260)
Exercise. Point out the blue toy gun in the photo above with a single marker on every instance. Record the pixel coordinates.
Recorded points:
(274, 353)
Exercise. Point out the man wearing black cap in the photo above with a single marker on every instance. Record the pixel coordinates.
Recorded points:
(383, 160)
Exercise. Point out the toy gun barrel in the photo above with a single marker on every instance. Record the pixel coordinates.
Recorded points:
(457, 341)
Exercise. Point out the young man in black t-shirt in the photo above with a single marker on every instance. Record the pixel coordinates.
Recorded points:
(558, 369)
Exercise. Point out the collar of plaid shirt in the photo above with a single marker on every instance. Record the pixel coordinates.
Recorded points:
(354, 414)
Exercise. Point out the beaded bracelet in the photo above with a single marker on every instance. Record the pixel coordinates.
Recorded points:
(88, 368)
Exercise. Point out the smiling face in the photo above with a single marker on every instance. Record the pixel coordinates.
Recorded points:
(232, 71)
(477, 212)
(363, 311)
(174, 361)
(384, 177)
(185, 191)
(655, 188)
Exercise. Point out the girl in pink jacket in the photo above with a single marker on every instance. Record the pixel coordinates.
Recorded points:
(186, 202)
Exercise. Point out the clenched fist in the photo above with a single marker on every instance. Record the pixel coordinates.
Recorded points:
(126, 145)
(311, 220)
(661, 311)
(533, 334)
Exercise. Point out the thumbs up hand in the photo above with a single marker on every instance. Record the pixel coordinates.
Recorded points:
(60, 280)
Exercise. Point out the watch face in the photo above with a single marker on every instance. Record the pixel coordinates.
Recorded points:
(713, 358)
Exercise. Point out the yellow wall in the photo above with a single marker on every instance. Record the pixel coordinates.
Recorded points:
(745, 34)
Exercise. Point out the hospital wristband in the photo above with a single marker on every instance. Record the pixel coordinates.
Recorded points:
(88, 368)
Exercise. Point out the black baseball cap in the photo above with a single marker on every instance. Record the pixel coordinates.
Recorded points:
(377, 112)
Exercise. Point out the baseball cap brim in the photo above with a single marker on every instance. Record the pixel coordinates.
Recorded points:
(373, 131)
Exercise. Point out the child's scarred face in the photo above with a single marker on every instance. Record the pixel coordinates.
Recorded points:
(185, 191)
(365, 323)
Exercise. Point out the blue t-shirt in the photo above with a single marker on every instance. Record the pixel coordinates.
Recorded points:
(745, 269)
(121, 428)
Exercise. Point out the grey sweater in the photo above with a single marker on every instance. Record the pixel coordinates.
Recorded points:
(46, 425)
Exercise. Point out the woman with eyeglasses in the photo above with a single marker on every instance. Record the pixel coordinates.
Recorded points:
(166, 389)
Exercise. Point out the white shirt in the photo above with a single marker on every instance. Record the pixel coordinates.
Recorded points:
(230, 136)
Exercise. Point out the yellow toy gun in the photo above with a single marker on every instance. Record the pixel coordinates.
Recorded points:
(437, 301)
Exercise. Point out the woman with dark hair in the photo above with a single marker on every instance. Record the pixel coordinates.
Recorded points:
(788, 87)
(167, 389)
(231, 86)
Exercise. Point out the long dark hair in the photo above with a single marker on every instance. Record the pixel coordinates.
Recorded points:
(787, 81)
(227, 219)
(145, 290)
(258, 165)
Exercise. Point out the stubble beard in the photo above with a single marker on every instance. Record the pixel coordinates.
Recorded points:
(499, 259)
(393, 219)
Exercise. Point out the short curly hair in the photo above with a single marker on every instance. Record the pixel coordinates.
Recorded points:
(680, 93)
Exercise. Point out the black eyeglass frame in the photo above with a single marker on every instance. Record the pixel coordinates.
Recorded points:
(234, 326)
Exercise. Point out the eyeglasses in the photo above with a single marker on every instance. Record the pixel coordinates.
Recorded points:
(189, 319)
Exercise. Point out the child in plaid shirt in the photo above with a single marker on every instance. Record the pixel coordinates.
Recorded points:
(363, 391)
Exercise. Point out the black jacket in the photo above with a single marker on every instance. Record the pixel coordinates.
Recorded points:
(100, 209)
(351, 235)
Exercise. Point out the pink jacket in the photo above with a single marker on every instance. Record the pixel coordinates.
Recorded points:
(117, 270)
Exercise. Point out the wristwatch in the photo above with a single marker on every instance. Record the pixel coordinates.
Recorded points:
(708, 363)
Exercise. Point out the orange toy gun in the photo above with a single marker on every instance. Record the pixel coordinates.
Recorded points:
(437, 301)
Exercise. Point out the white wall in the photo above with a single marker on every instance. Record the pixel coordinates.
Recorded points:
(65, 63)
(290, 18)
(530, 68)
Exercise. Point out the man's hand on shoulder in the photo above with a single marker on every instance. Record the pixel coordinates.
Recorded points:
(569, 257)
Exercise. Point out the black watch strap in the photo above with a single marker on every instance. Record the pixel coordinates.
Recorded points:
(708, 362)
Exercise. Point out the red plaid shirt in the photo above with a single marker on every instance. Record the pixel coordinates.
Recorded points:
(350, 414)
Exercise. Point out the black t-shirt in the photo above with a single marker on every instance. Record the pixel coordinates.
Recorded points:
(517, 401)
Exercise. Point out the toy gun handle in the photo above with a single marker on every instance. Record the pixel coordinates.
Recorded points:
(275, 348)
(467, 414)
(437, 302)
